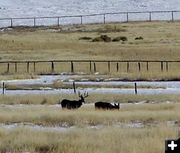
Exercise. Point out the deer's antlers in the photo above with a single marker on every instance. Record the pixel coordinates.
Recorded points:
(84, 95)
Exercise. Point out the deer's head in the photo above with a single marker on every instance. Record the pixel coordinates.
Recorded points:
(83, 96)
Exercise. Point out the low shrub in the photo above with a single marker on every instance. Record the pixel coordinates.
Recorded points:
(104, 38)
(97, 39)
(139, 38)
(120, 38)
(85, 38)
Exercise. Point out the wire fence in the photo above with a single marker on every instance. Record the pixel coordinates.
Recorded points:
(91, 18)
(87, 66)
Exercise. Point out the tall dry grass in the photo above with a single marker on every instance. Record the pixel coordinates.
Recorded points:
(81, 140)
(46, 99)
(87, 115)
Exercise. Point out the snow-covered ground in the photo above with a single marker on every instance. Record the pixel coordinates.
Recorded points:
(29, 8)
(150, 88)
(37, 8)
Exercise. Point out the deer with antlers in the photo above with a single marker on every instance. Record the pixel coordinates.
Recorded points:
(74, 104)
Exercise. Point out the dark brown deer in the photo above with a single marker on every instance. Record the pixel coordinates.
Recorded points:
(106, 106)
(74, 104)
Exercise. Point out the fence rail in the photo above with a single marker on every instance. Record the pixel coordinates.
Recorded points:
(87, 66)
(92, 18)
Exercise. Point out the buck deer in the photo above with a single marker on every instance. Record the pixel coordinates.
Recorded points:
(74, 104)
(106, 105)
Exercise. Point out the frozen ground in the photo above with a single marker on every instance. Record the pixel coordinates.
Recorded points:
(34, 8)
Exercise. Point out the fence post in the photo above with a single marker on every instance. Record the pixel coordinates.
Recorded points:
(15, 67)
(8, 68)
(135, 88)
(167, 66)
(94, 67)
(34, 22)
(161, 65)
(172, 13)
(52, 67)
(104, 18)
(27, 67)
(58, 21)
(117, 66)
(72, 67)
(11, 22)
(127, 17)
(74, 87)
(127, 66)
(90, 68)
(3, 92)
(34, 66)
(81, 20)
(150, 17)
(109, 66)
(139, 66)
(147, 66)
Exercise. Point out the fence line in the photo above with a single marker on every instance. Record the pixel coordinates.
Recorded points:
(91, 65)
(80, 19)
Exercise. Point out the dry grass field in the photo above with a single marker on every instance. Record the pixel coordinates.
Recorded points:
(48, 99)
(93, 131)
(147, 140)
(159, 41)
(87, 115)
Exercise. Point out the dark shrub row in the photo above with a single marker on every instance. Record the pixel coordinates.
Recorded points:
(105, 38)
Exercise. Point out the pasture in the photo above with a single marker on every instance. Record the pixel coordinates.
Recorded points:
(32, 123)
(160, 41)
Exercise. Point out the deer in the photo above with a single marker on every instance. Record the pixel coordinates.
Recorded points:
(106, 106)
(74, 104)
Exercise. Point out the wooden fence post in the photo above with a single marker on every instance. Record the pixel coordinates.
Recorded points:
(161, 66)
(34, 22)
(109, 66)
(172, 14)
(81, 20)
(11, 22)
(94, 67)
(150, 18)
(117, 66)
(167, 66)
(139, 66)
(52, 67)
(7, 67)
(104, 18)
(147, 66)
(127, 66)
(3, 92)
(127, 16)
(72, 67)
(34, 66)
(58, 21)
(135, 88)
(27, 67)
(90, 67)
(15, 67)
(74, 87)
